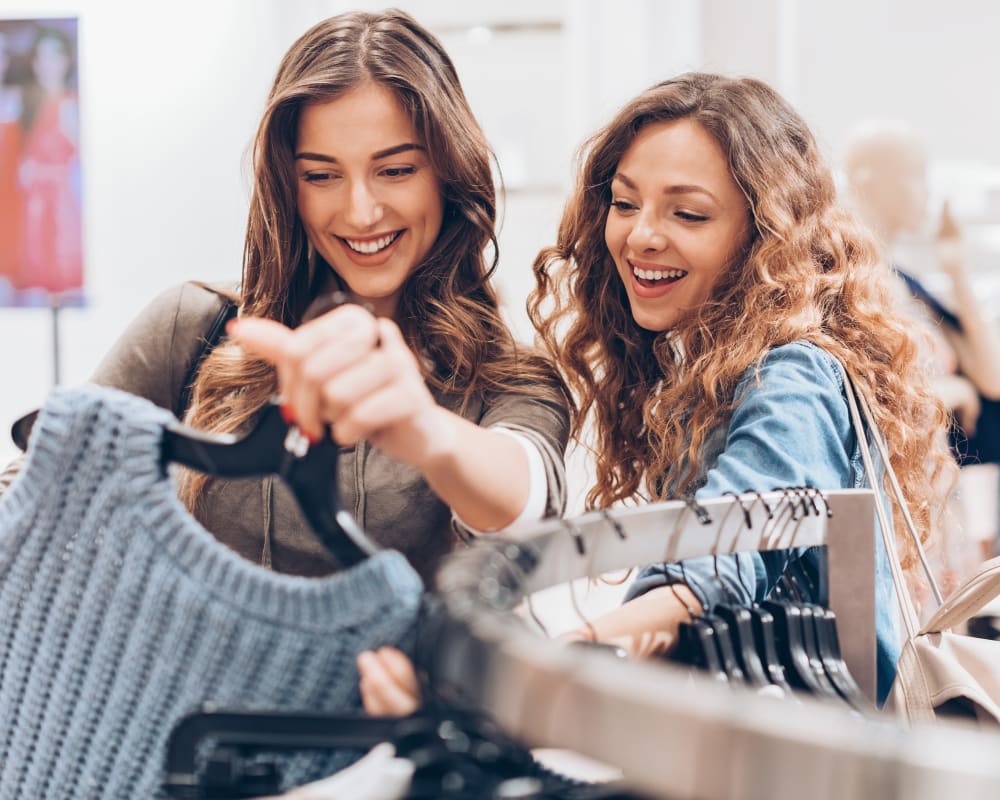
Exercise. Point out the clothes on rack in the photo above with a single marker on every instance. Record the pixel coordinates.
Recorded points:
(789, 428)
(379, 775)
(122, 613)
(439, 753)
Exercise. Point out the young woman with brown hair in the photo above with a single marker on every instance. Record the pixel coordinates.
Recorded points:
(370, 176)
(704, 283)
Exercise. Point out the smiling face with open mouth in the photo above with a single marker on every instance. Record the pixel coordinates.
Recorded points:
(677, 217)
(368, 197)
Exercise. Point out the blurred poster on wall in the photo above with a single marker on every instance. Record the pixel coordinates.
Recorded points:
(41, 235)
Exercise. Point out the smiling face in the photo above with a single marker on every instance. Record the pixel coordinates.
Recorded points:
(677, 218)
(368, 198)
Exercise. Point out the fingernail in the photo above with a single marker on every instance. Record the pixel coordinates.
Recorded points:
(289, 416)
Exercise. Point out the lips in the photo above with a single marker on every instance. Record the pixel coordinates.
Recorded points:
(371, 245)
(654, 274)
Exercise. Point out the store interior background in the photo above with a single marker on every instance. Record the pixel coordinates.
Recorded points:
(170, 95)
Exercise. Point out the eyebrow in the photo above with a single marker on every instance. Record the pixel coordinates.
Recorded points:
(681, 188)
(389, 151)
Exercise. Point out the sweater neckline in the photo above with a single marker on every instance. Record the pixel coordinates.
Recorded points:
(126, 433)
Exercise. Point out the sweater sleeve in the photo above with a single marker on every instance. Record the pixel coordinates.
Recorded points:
(790, 428)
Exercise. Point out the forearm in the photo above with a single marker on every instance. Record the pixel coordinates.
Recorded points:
(480, 473)
(648, 624)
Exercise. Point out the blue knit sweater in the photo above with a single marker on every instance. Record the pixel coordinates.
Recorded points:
(119, 613)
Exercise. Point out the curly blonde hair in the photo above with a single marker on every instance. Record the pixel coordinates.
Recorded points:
(807, 272)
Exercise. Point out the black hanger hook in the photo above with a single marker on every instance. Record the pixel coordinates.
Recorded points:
(746, 509)
(570, 527)
(614, 523)
(700, 511)
(763, 502)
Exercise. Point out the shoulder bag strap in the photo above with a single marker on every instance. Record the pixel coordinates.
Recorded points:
(907, 611)
(211, 339)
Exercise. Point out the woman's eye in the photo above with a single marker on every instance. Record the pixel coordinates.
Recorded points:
(622, 205)
(690, 216)
(398, 172)
(318, 177)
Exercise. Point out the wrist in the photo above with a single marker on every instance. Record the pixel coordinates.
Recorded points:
(437, 430)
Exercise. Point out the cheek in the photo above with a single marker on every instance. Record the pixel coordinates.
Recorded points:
(615, 233)
(307, 207)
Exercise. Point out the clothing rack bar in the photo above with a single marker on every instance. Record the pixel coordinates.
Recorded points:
(673, 733)
(591, 545)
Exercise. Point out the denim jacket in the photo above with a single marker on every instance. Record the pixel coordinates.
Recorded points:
(792, 428)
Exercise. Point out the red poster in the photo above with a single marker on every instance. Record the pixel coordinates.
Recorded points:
(41, 235)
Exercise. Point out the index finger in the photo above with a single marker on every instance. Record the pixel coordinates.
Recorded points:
(264, 338)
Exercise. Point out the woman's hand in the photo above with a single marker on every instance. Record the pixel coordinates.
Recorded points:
(388, 683)
(355, 372)
(644, 626)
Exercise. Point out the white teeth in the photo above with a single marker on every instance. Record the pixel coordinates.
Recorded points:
(370, 246)
(657, 274)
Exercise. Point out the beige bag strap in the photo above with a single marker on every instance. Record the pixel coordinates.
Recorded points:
(973, 594)
(907, 611)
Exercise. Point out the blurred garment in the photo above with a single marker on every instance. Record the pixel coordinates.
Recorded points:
(52, 243)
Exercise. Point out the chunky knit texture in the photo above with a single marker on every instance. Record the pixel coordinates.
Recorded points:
(119, 613)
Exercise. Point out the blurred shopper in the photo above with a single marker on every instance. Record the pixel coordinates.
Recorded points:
(885, 166)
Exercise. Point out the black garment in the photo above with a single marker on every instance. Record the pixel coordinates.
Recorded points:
(983, 447)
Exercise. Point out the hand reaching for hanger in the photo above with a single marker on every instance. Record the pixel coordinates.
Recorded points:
(388, 683)
(354, 371)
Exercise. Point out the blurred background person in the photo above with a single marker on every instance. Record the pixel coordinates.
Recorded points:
(49, 171)
(885, 167)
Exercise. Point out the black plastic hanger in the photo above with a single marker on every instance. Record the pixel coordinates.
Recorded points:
(792, 648)
(809, 639)
(724, 639)
(762, 622)
(740, 622)
(275, 447)
(456, 753)
(828, 644)
(697, 645)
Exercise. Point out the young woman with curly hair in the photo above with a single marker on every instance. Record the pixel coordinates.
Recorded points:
(703, 282)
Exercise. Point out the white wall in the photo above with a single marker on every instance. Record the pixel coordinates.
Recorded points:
(169, 100)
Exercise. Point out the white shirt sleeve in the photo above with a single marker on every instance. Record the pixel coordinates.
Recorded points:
(538, 490)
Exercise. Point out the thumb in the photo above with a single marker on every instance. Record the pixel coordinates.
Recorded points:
(263, 338)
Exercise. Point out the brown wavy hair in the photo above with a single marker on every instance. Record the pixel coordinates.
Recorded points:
(808, 271)
(448, 310)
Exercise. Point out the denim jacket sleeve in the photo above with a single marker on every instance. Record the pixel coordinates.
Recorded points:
(790, 428)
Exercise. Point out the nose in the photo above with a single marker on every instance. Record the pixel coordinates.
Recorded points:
(364, 210)
(647, 235)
